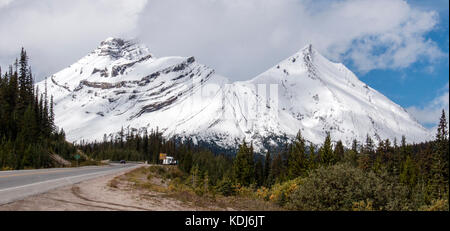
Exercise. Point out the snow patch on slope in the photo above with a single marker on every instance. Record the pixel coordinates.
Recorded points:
(121, 84)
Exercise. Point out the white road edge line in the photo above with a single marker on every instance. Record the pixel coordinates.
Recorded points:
(59, 179)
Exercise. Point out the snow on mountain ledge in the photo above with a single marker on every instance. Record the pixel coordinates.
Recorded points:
(121, 84)
(317, 95)
(119, 48)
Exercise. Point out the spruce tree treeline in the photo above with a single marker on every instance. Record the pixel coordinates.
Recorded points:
(28, 136)
(421, 169)
(146, 146)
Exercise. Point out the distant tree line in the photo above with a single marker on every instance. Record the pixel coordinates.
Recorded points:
(387, 176)
(28, 135)
(147, 146)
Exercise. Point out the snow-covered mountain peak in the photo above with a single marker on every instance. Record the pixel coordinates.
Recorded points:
(117, 48)
(317, 95)
(120, 84)
(299, 65)
(307, 63)
(308, 50)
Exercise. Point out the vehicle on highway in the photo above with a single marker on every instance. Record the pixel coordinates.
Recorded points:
(123, 162)
(169, 160)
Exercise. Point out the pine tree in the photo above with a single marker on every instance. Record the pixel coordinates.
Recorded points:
(267, 167)
(23, 70)
(187, 162)
(442, 141)
(313, 159)
(243, 167)
(121, 138)
(259, 172)
(26, 136)
(145, 145)
(195, 176)
(11, 98)
(355, 146)
(276, 169)
(339, 151)
(52, 116)
(369, 147)
(438, 183)
(403, 148)
(297, 162)
(408, 175)
(367, 154)
(351, 156)
(326, 152)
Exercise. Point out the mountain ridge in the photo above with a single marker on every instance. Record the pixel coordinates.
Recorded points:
(121, 84)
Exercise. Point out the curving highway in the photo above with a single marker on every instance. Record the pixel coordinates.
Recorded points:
(18, 184)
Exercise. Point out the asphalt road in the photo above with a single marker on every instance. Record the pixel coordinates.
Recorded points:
(18, 184)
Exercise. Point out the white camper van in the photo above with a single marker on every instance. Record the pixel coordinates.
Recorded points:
(169, 160)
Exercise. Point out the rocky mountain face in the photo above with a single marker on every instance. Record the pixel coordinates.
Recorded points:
(122, 85)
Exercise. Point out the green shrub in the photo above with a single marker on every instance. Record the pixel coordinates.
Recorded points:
(225, 187)
(342, 187)
(174, 173)
(437, 205)
(281, 193)
(161, 171)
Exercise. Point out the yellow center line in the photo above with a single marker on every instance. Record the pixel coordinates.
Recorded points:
(38, 173)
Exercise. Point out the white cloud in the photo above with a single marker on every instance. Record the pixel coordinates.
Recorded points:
(57, 32)
(430, 114)
(243, 38)
(240, 39)
(4, 3)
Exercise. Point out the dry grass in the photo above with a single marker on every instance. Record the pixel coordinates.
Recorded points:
(114, 183)
(167, 182)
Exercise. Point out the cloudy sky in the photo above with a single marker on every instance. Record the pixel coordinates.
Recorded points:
(398, 47)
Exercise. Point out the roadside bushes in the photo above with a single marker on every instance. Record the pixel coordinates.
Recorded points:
(344, 187)
(436, 205)
(282, 192)
(226, 187)
(165, 172)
